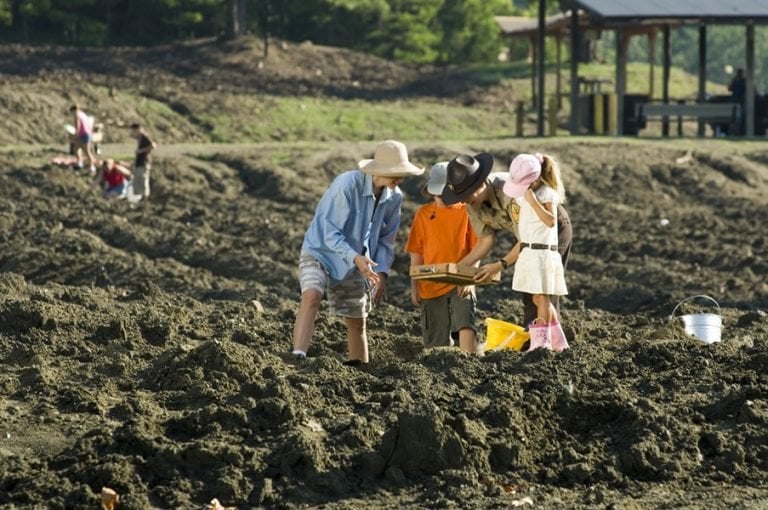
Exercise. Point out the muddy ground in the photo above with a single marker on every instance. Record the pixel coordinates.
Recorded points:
(133, 356)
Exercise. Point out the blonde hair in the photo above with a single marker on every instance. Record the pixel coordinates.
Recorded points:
(550, 175)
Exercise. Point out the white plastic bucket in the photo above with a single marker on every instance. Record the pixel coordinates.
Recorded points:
(706, 327)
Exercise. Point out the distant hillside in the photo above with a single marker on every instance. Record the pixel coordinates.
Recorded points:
(209, 90)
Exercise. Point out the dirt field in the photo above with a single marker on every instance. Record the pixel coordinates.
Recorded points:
(134, 358)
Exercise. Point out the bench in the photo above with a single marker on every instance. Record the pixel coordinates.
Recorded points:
(714, 112)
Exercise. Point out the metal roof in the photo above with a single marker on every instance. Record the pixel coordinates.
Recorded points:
(722, 11)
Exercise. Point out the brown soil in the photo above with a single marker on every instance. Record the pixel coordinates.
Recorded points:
(135, 359)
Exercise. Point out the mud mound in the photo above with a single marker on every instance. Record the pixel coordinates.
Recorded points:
(135, 358)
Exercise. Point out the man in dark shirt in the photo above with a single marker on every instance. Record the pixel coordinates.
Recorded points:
(738, 89)
(143, 162)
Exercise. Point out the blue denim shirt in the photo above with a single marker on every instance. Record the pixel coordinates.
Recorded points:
(348, 223)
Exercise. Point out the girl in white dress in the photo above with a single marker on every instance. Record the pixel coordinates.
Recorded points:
(535, 183)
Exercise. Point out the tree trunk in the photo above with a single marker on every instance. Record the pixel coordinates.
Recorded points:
(235, 18)
(109, 36)
(264, 22)
(19, 22)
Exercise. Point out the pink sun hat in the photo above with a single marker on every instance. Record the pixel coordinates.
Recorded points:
(523, 170)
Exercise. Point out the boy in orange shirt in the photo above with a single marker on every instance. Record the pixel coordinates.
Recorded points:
(442, 234)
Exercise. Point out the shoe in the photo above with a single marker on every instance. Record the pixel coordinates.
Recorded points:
(293, 359)
(559, 341)
(540, 336)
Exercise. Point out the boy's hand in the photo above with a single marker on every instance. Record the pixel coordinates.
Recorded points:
(380, 290)
(465, 291)
(415, 296)
(365, 265)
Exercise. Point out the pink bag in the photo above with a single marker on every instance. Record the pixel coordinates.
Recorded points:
(540, 335)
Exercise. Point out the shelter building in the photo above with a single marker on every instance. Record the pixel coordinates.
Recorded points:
(585, 18)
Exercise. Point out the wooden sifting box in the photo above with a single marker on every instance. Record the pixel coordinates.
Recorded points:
(457, 274)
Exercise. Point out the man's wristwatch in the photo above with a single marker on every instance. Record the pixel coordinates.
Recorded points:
(504, 264)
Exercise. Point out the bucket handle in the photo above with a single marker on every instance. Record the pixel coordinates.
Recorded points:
(694, 297)
(506, 341)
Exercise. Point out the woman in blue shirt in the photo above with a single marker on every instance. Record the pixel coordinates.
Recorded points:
(349, 247)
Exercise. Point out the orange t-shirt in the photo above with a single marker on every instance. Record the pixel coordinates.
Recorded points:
(440, 235)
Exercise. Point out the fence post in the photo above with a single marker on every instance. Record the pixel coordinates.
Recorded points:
(519, 118)
(552, 115)
(598, 114)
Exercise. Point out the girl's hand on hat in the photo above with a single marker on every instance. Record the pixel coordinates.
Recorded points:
(530, 196)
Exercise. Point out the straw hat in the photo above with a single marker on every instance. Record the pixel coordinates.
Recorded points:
(390, 160)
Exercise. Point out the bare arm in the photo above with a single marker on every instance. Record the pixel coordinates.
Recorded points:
(123, 170)
(483, 247)
(416, 260)
(487, 271)
(543, 211)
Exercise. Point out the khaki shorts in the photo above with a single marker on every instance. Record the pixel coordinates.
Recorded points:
(443, 317)
(348, 298)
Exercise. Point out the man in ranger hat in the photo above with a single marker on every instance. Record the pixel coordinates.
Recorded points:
(349, 247)
(490, 210)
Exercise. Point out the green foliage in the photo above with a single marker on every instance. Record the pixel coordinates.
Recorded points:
(5, 13)
(409, 32)
(470, 33)
(422, 31)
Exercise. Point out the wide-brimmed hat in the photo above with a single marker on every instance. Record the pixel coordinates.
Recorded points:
(390, 160)
(465, 175)
(435, 184)
(523, 170)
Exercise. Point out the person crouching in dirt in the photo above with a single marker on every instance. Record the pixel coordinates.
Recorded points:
(439, 234)
(490, 211)
(349, 247)
(83, 137)
(143, 162)
(113, 179)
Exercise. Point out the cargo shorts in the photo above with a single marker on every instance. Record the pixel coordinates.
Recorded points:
(444, 316)
(347, 298)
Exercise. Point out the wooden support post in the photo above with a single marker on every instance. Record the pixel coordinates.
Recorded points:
(652, 64)
(598, 113)
(613, 114)
(702, 94)
(748, 107)
(574, 89)
(552, 115)
(519, 118)
(665, 78)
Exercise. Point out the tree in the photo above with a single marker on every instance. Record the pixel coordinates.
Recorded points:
(235, 18)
